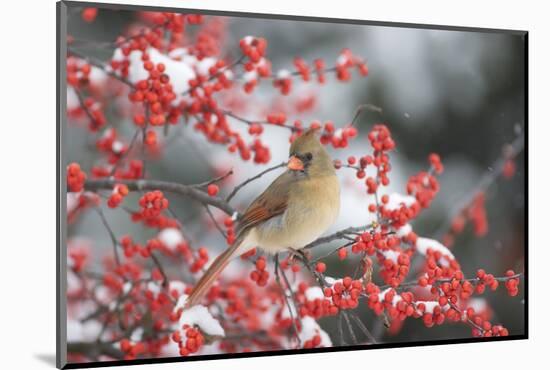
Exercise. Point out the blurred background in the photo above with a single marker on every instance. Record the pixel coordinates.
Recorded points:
(460, 94)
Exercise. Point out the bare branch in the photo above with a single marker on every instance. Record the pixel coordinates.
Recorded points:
(246, 182)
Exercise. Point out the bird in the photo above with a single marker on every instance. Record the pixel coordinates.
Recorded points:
(294, 210)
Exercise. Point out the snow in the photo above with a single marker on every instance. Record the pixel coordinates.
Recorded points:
(199, 316)
(283, 73)
(313, 293)
(392, 255)
(117, 146)
(72, 99)
(430, 305)
(310, 328)
(72, 201)
(396, 200)
(180, 71)
(404, 230)
(395, 300)
(177, 285)
(342, 59)
(204, 65)
(250, 76)
(423, 244)
(82, 332)
(478, 304)
(171, 237)
(97, 76)
(137, 335)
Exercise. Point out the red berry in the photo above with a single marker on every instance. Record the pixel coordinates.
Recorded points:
(213, 189)
(320, 267)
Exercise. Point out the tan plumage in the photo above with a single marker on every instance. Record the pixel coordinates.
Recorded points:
(293, 211)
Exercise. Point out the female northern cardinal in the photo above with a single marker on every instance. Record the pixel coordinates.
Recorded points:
(292, 212)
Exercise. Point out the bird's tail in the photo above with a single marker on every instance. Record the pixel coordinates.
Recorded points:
(210, 276)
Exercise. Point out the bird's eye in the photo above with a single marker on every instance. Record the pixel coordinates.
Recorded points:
(308, 156)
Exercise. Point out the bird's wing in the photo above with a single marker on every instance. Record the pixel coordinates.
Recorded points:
(272, 202)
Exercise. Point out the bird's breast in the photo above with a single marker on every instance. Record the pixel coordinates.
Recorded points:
(312, 208)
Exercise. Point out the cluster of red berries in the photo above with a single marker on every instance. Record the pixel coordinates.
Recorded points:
(276, 118)
(424, 187)
(394, 272)
(94, 111)
(345, 294)
(79, 257)
(512, 283)
(338, 138)
(230, 230)
(131, 350)
(152, 204)
(283, 81)
(435, 162)
(346, 61)
(156, 95)
(370, 242)
(200, 260)
(191, 342)
(75, 177)
(253, 47)
(315, 307)
(129, 247)
(133, 171)
(475, 213)
(314, 342)
(78, 72)
(478, 215)
(260, 275)
(302, 68)
(111, 145)
(118, 194)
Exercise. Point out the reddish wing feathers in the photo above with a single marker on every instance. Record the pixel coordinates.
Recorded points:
(272, 202)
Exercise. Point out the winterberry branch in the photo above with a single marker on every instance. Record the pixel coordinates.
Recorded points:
(99, 65)
(510, 151)
(251, 122)
(139, 185)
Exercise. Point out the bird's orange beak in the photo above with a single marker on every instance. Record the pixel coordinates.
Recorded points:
(295, 164)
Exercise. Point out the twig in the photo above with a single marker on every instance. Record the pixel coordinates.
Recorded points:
(161, 269)
(363, 327)
(126, 153)
(111, 234)
(214, 220)
(215, 75)
(350, 327)
(247, 181)
(283, 290)
(342, 234)
(361, 108)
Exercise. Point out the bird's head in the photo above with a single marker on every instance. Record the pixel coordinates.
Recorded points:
(308, 155)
